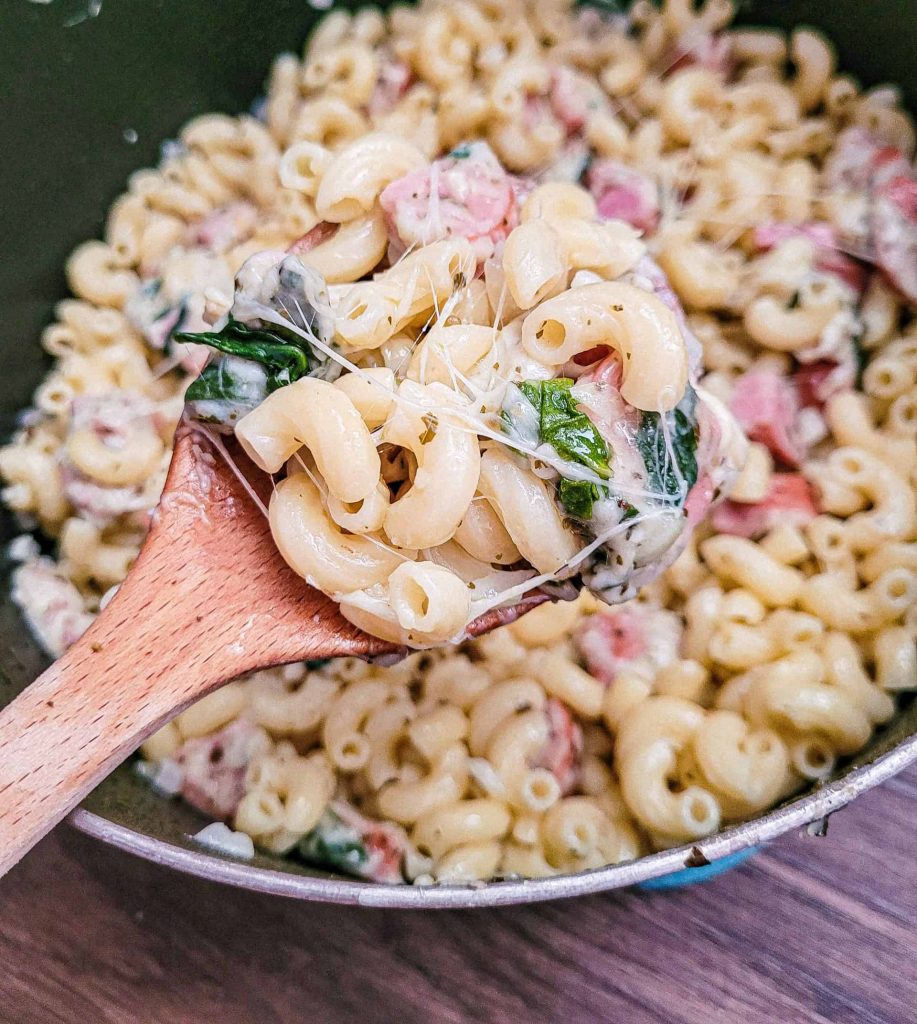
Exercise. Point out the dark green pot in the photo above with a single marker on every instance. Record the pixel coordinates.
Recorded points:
(86, 104)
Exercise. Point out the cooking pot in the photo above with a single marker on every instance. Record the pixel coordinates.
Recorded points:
(90, 91)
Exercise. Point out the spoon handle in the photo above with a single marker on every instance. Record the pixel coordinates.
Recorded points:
(137, 665)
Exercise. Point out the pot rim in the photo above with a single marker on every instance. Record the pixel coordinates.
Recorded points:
(214, 867)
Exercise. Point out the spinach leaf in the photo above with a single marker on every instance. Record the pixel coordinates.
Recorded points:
(574, 437)
(861, 358)
(606, 7)
(334, 844)
(214, 385)
(226, 390)
(570, 432)
(578, 497)
(665, 466)
(284, 360)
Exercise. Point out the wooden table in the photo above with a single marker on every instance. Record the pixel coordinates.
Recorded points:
(813, 930)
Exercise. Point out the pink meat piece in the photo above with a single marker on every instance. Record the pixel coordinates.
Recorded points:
(789, 501)
(100, 505)
(592, 356)
(394, 79)
(767, 408)
(385, 845)
(537, 110)
(465, 194)
(385, 849)
(573, 98)
(522, 188)
(51, 604)
(894, 233)
(598, 394)
(817, 382)
(859, 162)
(658, 283)
(699, 499)
(227, 226)
(710, 50)
(192, 358)
(631, 636)
(562, 754)
(313, 238)
(112, 417)
(215, 766)
(160, 330)
(829, 256)
(622, 193)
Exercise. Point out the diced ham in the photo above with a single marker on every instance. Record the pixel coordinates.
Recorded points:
(562, 754)
(632, 637)
(226, 227)
(859, 162)
(384, 842)
(817, 382)
(622, 193)
(393, 82)
(610, 372)
(466, 194)
(101, 505)
(160, 330)
(592, 355)
(789, 502)
(215, 766)
(537, 110)
(522, 188)
(52, 605)
(385, 851)
(710, 50)
(175, 302)
(699, 499)
(894, 233)
(192, 358)
(851, 272)
(113, 418)
(767, 406)
(573, 98)
(313, 238)
(656, 280)
(597, 392)
(829, 257)
(721, 453)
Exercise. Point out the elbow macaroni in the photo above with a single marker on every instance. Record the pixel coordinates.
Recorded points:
(574, 737)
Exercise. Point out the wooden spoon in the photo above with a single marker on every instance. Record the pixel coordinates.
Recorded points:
(208, 599)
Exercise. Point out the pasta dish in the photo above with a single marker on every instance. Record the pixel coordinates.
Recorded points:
(514, 300)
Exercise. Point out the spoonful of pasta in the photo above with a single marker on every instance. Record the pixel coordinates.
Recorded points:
(368, 466)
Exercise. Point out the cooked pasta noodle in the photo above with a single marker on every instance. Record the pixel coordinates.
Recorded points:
(464, 239)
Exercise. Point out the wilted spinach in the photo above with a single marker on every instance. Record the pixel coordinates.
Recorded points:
(284, 360)
(666, 468)
(574, 437)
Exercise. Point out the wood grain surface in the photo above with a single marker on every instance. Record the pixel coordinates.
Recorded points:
(811, 930)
